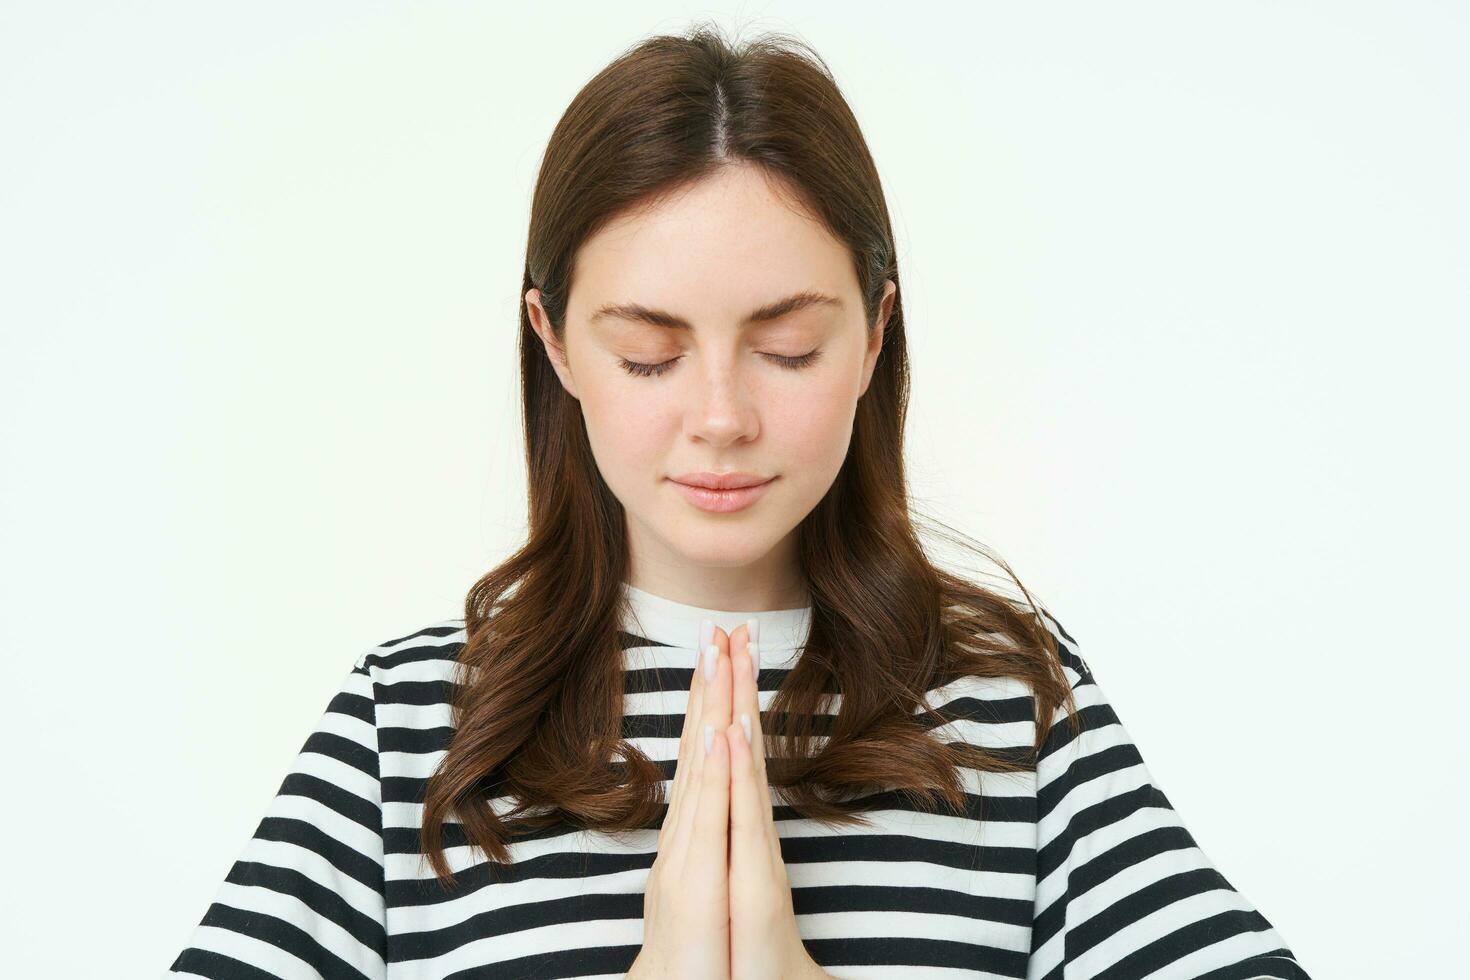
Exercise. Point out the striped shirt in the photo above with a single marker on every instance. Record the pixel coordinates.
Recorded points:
(1078, 867)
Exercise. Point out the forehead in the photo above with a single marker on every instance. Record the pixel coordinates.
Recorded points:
(715, 250)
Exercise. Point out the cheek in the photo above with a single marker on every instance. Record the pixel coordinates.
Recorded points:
(628, 435)
(813, 428)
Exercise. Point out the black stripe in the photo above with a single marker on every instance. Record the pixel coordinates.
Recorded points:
(873, 951)
(352, 705)
(1112, 861)
(1127, 854)
(1084, 768)
(345, 858)
(937, 901)
(1183, 941)
(1057, 623)
(591, 906)
(1061, 736)
(334, 797)
(1107, 811)
(424, 741)
(217, 966)
(345, 750)
(447, 628)
(294, 940)
(420, 693)
(1277, 964)
(1151, 898)
(588, 962)
(423, 653)
(323, 901)
(991, 711)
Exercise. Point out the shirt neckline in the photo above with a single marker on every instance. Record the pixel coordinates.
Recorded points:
(782, 632)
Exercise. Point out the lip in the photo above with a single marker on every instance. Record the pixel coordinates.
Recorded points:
(724, 501)
(721, 481)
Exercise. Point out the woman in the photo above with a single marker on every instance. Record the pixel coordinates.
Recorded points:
(879, 768)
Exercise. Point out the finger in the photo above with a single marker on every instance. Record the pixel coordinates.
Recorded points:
(758, 742)
(689, 739)
(747, 699)
(745, 661)
(714, 709)
(693, 763)
(714, 714)
(689, 735)
(748, 834)
(709, 836)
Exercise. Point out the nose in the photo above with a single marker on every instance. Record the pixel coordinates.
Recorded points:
(722, 409)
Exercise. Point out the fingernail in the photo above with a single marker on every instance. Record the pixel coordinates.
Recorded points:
(711, 657)
(753, 629)
(754, 649)
(706, 632)
(709, 738)
(745, 724)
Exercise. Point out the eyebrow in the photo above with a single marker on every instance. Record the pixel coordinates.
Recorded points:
(638, 313)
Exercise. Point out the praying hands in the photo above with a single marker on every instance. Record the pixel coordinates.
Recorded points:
(717, 904)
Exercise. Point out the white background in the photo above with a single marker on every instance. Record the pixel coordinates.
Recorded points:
(1187, 306)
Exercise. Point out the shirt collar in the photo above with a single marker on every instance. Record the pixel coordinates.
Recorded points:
(783, 632)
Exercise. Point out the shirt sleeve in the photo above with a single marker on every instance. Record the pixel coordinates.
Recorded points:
(304, 899)
(1123, 891)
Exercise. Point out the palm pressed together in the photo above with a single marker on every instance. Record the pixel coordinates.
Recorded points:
(706, 915)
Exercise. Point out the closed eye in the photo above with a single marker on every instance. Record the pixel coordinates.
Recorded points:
(653, 370)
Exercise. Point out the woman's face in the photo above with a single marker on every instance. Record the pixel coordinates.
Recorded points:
(674, 288)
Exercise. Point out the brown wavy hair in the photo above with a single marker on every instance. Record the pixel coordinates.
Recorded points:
(538, 711)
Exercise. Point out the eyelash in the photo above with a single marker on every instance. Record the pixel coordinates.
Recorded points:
(653, 370)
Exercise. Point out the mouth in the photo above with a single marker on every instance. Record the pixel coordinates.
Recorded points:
(721, 481)
(723, 500)
(719, 489)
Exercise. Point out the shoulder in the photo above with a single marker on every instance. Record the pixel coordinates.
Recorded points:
(402, 690)
(1019, 614)
(1069, 651)
(437, 642)
(414, 670)
(1056, 695)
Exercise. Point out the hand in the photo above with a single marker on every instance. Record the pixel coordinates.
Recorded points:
(686, 902)
(764, 941)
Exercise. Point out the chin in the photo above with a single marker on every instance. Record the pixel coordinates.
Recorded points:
(722, 548)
